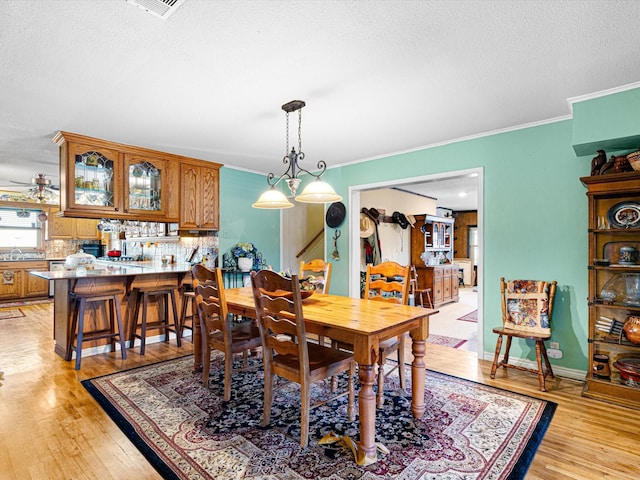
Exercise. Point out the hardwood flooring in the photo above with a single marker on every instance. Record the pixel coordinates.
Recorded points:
(51, 428)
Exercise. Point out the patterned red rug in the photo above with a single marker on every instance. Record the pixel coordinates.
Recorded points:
(445, 341)
(470, 430)
(470, 317)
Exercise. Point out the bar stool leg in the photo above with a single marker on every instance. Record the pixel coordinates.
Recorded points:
(143, 328)
(176, 321)
(115, 303)
(83, 303)
(134, 320)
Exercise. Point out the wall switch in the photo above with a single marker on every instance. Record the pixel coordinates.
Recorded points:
(554, 345)
(553, 353)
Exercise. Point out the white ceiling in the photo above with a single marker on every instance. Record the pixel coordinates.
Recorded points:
(378, 77)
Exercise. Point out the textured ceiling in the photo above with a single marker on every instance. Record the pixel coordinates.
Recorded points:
(378, 77)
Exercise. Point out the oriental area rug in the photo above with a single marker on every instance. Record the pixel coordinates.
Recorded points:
(470, 317)
(443, 340)
(469, 430)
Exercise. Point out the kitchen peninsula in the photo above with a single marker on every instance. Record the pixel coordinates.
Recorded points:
(105, 277)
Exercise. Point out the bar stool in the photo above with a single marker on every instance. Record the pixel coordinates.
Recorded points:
(79, 305)
(188, 296)
(162, 296)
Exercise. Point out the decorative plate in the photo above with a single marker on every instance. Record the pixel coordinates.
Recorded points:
(624, 215)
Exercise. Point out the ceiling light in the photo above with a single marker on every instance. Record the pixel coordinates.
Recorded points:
(316, 191)
(462, 194)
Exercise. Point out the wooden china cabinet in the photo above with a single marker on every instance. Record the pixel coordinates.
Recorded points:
(432, 238)
(614, 285)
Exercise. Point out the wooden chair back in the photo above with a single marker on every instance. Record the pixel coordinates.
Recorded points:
(527, 305)
(320, 269)
(279, 313)
(212, 306)
(202, 274)
(387, 282)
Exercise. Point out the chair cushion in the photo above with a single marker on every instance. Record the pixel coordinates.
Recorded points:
(528, 306)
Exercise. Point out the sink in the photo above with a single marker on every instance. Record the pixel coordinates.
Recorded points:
(21, 257)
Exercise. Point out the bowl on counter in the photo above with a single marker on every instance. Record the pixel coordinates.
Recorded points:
(114, 253)
(80, 259)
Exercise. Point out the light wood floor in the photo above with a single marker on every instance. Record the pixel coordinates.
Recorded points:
(51, 428)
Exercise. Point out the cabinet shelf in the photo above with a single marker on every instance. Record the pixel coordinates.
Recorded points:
(605, 192)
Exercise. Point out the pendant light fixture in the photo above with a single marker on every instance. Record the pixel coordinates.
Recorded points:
(317, 191)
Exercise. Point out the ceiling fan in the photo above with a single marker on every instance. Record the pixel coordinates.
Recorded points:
(40, 188)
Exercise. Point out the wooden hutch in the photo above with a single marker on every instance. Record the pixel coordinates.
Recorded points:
(432, 255)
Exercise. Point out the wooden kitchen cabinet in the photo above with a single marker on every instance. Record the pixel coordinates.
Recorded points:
(199, 208)
(16, 282)
(614, 285)
(102, 179)
(67, 228)
(35, 286)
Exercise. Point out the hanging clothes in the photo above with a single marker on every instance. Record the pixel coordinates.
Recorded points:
(372, 246)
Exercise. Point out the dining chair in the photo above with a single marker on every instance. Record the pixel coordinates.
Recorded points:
(287, 353)
(527, 306)
(322, 271)
(218, 330)
(386, 282)
(417, 292)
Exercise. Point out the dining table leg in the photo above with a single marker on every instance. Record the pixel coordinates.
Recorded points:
(418, 348)
(367, 412)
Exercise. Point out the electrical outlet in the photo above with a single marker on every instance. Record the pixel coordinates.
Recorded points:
(553, 353)
(554, 345)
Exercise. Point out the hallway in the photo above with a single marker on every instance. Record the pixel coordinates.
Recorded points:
(446, 322)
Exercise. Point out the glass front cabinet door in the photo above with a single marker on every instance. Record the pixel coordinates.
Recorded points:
(93, 179)
(145, 185)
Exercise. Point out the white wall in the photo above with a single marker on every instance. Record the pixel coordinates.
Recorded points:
(396, 242)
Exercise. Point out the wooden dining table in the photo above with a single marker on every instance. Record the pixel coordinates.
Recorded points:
(364, 324)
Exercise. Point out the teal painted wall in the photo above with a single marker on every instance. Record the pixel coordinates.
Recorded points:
(609, 123)
(535, 217)
(239, 222)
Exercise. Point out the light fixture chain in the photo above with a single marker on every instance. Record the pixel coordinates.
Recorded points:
(286, 150)
(300, 131)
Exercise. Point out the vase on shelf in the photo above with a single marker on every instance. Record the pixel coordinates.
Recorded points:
(245, 264)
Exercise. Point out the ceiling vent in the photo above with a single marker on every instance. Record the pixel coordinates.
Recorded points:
(160, 8)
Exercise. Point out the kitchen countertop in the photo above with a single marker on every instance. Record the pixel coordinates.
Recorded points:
(109, 269)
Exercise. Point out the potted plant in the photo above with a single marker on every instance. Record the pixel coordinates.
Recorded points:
(245, 254)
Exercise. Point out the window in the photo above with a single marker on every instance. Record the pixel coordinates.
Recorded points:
(20, 228)
(473, 245)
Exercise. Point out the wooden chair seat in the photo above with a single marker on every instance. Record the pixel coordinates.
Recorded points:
(323, 362)
(246, 336)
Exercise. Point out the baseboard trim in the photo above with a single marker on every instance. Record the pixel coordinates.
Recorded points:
(571, 373)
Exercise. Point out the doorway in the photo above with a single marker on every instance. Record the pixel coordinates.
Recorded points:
(354, 227)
